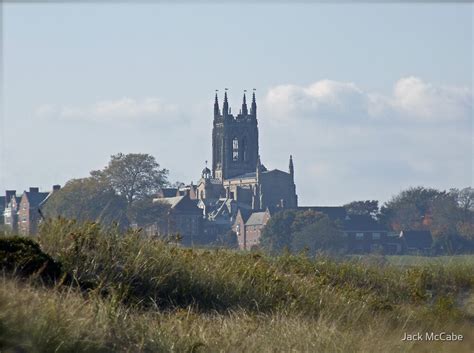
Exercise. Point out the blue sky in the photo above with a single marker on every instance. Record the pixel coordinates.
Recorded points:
(369, 99)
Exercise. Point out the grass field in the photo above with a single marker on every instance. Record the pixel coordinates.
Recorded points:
(124, 293)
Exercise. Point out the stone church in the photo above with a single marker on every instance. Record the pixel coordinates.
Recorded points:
(237, 172)
(237, 184)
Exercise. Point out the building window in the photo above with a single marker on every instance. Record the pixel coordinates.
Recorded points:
(235, 149)
(359, 236)
(376, 236)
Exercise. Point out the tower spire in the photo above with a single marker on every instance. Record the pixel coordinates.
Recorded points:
(291, 168)
(253, 109)
(244, 105)
(216, 106)
(225, 107)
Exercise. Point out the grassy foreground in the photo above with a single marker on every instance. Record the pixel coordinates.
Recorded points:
(124, 293)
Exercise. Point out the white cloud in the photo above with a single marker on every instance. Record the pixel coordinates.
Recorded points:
(124, 109)
(412, 98)
(324, 98)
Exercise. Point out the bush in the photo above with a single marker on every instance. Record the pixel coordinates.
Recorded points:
(24, 257)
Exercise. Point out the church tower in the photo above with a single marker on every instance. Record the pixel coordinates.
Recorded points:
(234, 139)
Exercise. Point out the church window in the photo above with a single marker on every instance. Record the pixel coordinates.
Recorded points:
(244, 150)
(235, 149)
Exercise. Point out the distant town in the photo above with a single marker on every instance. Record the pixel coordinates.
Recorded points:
(237, 196)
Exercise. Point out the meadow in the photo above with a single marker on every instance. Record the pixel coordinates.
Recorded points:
(83, 288)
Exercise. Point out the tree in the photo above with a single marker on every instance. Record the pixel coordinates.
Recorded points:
(145, 212)
(368, 207)
(228, 240)
(410, 209)
(323, 234)
(87, 199)
(281, 229)
(134, 176)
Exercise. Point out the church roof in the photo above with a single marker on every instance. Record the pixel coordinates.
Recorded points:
(244, 176)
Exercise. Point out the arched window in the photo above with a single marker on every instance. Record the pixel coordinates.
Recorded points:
(235, 149)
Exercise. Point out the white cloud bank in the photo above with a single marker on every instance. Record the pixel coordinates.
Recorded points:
(123, 110)
(412, 98)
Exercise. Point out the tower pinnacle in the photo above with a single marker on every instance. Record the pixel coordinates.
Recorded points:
(244, 105)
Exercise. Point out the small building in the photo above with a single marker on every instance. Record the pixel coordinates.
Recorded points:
(364, 234)
(29, 214)
(184, 218)
(248, 226)
(416, 241)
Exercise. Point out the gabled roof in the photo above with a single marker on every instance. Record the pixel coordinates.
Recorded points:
(362, 223)
(256, 218)
(35, 199)
(333, 212)
(417, 239)
(245, 213)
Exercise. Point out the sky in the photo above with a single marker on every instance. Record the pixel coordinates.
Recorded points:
(370, 99)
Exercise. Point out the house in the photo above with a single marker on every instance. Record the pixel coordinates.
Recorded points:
(248, 226)
(10, 212)
(29, 214)
(416, 241)
(184, 218)
(363, 234)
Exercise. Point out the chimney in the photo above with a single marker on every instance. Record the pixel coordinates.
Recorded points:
(56, 187)
(34, 190)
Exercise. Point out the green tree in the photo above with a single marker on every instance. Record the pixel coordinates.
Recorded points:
(145, 212)
(87, 199)
(228, 240)
(322, 234)
(134, 176)
(279, 232)
(408, 209)
(367, 207)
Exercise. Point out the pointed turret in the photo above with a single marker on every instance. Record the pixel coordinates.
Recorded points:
(291, 168)
(225, 107)
(244, 106)
(216, 107)
(253, 109)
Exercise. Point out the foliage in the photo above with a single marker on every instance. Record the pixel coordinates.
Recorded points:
(228, 240)
(134, 176)
(145, 212)
(363, 208)
(150, 296)
(448, 215)
(279, 233)
(322, 235)
(87, 199)
(24, 257)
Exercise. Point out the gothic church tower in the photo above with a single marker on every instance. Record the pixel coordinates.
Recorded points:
(234, 140)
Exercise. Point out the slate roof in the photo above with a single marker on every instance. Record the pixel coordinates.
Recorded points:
(417, 239)
(244, 176)
(35, 199)
(333, 212)
(169, 192)
(362, 223)
(255, 219)
(245, 213)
